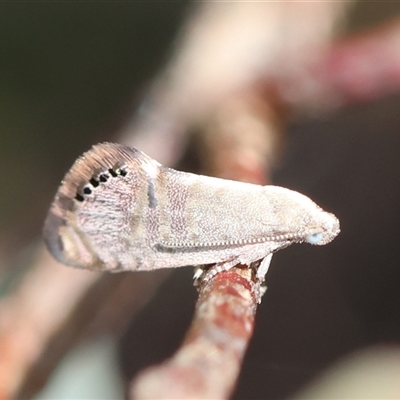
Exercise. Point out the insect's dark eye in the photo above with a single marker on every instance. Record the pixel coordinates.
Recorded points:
(87, 190)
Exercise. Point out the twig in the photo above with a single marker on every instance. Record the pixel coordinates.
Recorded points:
(208, 363)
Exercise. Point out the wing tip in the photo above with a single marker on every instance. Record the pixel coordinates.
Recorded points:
(100, 158)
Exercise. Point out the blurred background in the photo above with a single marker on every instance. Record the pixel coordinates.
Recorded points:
(76, 73)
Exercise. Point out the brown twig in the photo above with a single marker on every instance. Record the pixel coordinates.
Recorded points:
(208, 363)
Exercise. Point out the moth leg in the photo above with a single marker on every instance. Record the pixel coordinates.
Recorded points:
(199, 273)
(263, 268)
(204, 274)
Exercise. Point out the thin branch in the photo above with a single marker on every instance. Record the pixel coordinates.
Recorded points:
(209, 361)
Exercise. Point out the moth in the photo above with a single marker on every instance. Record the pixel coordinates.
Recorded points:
(118, 209)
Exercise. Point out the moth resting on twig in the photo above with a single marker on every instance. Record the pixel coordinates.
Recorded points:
(118, 209)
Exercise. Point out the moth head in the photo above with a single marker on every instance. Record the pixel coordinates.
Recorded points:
(325, 230)
(300, 218)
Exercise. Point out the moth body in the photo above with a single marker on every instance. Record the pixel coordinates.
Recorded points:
(118, 209)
